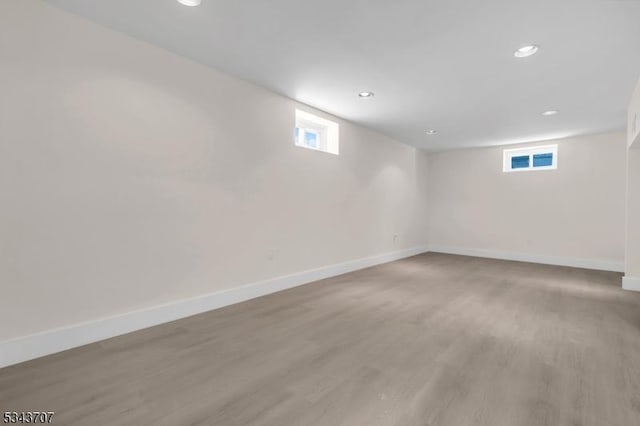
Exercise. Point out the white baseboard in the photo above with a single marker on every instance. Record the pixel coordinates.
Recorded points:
(603, 265)
(56, 340)
(631, 283)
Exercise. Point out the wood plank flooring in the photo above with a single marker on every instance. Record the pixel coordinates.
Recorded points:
(431, 340)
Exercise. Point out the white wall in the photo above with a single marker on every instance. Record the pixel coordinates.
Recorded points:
(575, 213)
(632, 258)
(131, 177)
(633, 118)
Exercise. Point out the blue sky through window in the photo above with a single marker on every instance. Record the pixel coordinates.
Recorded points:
(543, 160)
(520, 162)
(306, 137)
(530, 158)
(311, 139)
(316, 133)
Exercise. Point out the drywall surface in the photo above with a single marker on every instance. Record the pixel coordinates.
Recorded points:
(576, 212)
(633, 127)
(632, 255)
(132, 177)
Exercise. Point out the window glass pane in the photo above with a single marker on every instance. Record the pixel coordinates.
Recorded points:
(543, 160)
(520, 162)
(316, 133)
(311, 138)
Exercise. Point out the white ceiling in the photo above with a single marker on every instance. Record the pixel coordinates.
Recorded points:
(444, 65)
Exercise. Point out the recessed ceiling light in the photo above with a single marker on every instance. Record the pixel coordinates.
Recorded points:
(366, 94)
(550, 112)
(190, 2)
(525, 51)
(431, 132)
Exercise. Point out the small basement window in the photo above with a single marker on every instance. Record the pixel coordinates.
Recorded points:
(531, 158)
(317, 133)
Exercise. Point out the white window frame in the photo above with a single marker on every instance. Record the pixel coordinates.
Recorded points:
(508, 154)
(326, 130)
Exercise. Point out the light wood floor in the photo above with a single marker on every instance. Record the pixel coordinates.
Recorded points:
(432, 340)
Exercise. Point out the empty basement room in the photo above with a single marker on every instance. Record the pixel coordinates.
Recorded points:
(320, 213)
